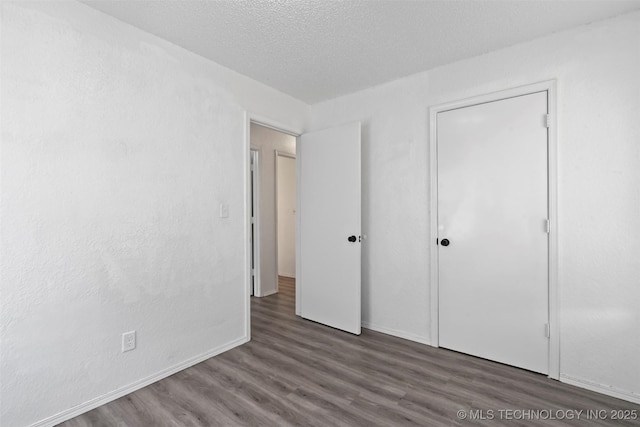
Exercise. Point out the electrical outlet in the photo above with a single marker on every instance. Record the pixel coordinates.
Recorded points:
(128, 341)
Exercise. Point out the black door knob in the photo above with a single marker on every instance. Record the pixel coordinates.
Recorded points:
(352, 238)
(444, 242)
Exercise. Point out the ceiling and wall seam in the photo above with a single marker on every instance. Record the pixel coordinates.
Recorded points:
(317, 50)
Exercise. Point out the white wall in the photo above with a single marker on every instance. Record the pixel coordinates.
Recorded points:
(117, 149)
(267, 140)
(286, 183)
(597, 68)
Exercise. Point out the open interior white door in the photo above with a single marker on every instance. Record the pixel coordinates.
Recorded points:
(328, 273)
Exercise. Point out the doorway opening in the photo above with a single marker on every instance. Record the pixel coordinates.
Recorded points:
(324, 236)
(285, 175)
(272, 208)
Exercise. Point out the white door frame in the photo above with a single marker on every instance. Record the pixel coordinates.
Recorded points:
(290, 156)
(550, 87)
(266, 122)
(255, 241)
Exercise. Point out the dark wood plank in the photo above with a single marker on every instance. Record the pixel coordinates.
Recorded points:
(299, 373)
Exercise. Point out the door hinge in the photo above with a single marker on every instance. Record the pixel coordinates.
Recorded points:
(547, 330)
(547, 226)
(547, 120)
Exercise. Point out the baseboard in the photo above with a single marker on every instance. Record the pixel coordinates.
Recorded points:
(271, 292)
(396, 333)
(601, 388)
(116, 394)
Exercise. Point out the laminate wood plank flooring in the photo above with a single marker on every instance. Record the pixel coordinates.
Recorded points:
(296, 372)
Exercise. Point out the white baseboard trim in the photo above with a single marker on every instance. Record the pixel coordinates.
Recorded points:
(118, 393)
(271, 292)
(601, 388)
(396, 333)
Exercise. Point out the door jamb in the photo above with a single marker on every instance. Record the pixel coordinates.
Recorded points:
(550, 86)
(256, 225)
(249, 118)
(290, 156)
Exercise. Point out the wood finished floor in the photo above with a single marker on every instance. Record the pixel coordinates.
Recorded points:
(296, 372)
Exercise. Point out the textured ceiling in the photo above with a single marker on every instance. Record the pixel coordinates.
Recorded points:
(319, 49)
